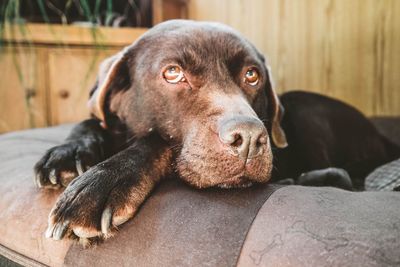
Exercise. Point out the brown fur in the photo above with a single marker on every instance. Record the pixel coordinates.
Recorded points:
(186, 113)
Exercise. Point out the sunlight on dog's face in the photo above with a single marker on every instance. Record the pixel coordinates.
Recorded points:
(206, 89)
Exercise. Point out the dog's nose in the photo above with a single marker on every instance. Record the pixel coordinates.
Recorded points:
(246, 136)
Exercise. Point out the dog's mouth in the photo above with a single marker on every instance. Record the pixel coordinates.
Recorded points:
(241, 182)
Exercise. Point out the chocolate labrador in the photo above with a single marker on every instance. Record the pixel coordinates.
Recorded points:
(195, 99)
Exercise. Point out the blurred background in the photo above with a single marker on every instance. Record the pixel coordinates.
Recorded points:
(50, 49)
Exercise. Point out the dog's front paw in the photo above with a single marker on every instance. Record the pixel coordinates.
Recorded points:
(61, 164)
(94, 204)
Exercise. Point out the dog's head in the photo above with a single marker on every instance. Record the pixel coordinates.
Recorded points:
(204, 88)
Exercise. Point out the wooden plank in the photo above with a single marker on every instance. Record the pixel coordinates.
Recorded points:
(22, 91)
(387, 54)
(72, 73)
(157, 11)
(50, 62)
(346, 49)
(169, 9)
(70, 34)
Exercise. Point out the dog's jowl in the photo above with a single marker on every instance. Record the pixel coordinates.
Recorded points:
(193, 99)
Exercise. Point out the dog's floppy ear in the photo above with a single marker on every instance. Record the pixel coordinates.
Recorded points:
(276, 111)
(113, 75)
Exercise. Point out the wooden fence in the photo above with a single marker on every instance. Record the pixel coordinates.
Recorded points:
(349, 49)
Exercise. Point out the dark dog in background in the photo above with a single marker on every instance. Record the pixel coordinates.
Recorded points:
(196, 99)
(322, 133)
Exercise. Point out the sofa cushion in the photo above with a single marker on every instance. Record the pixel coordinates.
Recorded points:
(24, 208)
(177, 225)
(305, 226)
(181, 226)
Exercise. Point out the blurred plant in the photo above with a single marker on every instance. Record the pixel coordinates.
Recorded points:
(14, 14)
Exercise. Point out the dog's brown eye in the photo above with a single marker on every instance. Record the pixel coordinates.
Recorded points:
(251, 77)
(174, 74)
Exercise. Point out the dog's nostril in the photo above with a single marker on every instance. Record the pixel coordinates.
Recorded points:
(258, 143)
(238, 140)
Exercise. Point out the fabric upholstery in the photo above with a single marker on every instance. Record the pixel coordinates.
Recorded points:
(182, 226)
(305, 226)
(177, 225)
(23, 207)
(384, 178)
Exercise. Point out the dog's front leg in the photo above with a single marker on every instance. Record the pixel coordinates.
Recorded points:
(86, 145)
(109, 194)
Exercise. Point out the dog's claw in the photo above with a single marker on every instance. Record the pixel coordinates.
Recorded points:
(78, 165)
(52, 177)
(50, 230)
(61, 164)
(57, 230)
(106, 218)
(38, 178)
(60, 230)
